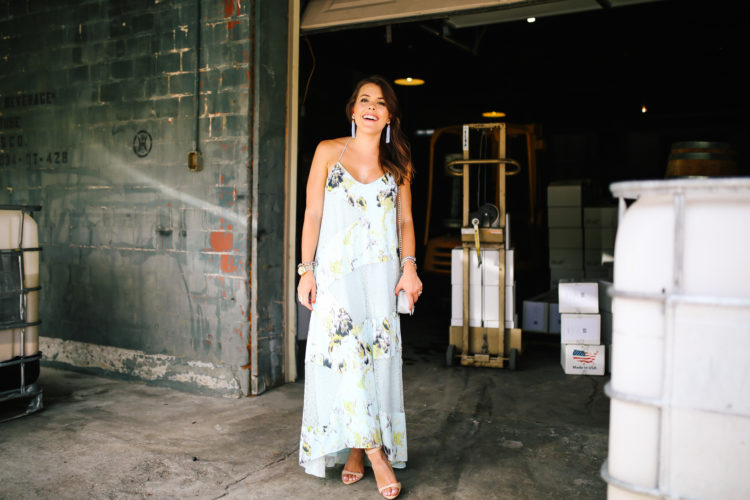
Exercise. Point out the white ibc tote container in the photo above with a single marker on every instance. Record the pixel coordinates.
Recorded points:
(680, 386)
(10, 230)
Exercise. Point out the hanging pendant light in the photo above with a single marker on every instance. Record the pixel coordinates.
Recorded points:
(409, 81)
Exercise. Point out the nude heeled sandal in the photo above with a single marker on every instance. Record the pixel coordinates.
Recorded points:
(357, 476)
(397, 485)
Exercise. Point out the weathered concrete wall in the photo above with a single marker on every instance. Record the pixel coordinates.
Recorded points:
(269, 130)
(98, 112)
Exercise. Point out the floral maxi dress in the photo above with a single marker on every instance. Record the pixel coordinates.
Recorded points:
(353, 388)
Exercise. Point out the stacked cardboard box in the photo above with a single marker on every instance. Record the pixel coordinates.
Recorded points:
(605, 309)
(540, 313)
(564, 220)
(484, 289)
(581, 348)
(599, 229)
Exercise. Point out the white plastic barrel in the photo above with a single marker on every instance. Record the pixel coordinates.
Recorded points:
(10, 339)
(680, 386)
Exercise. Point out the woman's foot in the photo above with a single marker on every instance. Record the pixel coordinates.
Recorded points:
(384, 475)
(354, 468)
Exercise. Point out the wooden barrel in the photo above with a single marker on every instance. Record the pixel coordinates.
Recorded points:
(701, 159)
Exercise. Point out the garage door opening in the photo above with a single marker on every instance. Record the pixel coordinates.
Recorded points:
(607, 93)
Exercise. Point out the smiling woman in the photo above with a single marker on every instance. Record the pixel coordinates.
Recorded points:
(375, 96)
(350, 277)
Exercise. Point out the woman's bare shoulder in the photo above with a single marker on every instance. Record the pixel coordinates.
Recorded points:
(328, 151)
(331, 146)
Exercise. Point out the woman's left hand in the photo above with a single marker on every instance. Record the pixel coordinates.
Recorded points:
(411, 283)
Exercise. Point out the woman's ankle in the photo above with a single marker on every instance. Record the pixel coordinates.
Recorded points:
(373, 451)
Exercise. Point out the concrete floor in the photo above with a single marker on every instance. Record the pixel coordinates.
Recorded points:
(473, 433)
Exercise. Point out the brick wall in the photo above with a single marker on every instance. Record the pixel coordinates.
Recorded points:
(98, 114)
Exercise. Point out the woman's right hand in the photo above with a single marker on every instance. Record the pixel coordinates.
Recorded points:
(306, 290)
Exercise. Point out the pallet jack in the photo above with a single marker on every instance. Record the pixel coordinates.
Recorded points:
(487, 346)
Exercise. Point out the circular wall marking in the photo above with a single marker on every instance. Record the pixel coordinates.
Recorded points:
(142, 143)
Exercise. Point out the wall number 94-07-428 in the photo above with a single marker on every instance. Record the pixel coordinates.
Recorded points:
(51, 158)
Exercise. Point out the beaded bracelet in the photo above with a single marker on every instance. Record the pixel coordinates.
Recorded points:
(409, 258)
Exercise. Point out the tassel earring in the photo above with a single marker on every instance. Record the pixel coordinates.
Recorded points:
(388, 133)
(354, 127)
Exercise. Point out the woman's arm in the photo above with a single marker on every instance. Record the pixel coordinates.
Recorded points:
(409, 280)
(313, 215)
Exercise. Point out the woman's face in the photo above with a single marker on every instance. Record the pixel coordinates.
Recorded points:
(370, 111)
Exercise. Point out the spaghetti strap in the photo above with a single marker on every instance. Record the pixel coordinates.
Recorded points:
(342, 151)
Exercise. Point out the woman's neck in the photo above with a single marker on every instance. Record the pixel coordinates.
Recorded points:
(367, 143)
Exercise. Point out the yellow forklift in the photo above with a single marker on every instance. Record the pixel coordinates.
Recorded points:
(438, 248)
(479, 341)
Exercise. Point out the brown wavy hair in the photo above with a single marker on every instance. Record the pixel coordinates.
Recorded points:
(394, 157)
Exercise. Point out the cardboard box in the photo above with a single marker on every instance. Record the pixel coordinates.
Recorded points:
(490, 266)
(564, 217)
(484, 288)
(580, 329)
(605, 301)
(486, 274)
(599, 237)
(535, 316)
(565, 237)
(565, 273)
(597, 273)
(510, 276)
(490, 298)
(554, 318)
(600, 216)
(606, 327)
(566, 257)
(578, 298)
(510, 302)
(490, 302)
(475, 305)
(483, 305)
(565, 194)
(457, 270)
(582, 359)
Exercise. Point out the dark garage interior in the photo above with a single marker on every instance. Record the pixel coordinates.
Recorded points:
(581, 80)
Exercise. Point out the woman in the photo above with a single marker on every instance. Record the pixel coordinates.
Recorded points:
(350, 277)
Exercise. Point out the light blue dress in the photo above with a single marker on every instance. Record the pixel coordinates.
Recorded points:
(353, 386)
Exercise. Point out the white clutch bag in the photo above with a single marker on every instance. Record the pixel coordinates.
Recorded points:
(402, 304)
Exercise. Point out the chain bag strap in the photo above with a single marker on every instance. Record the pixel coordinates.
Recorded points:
(402, 304)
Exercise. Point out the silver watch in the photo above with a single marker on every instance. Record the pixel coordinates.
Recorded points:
(303, 267)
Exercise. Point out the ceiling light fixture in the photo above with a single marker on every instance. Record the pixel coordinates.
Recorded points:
(530, 19)
(493, 114)
(427, 131)
(409, 81)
